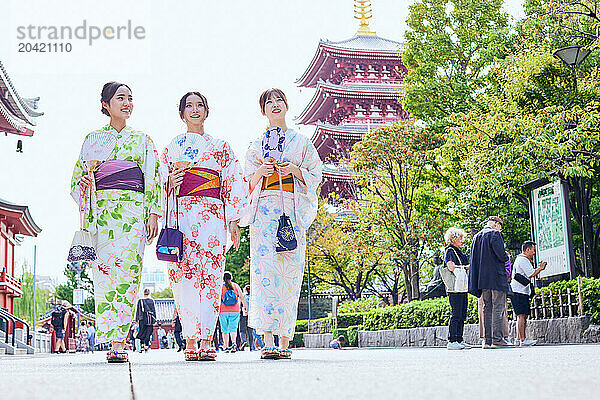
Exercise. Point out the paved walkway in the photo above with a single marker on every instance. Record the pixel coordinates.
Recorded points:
(544, 372)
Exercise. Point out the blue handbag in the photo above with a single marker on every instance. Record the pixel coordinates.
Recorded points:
(169, 246)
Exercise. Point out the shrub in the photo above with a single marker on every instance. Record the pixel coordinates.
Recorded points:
(364, 304)
(298, 340)
(346, 320)
(434, 312)
(302, 325)
(590, 289)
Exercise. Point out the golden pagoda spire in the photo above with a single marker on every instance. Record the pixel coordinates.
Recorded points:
(362, 12)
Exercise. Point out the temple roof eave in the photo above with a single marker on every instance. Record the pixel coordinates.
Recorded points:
(23, 107)
(325, 90)
(20, 126)
(21, 216)
(326, 48)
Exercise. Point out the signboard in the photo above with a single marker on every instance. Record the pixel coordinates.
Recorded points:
(77, 296)
(550, 228)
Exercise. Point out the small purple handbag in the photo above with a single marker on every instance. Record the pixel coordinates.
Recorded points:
(169, 246)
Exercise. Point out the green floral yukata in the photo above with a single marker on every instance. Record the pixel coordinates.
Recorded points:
(118, 220)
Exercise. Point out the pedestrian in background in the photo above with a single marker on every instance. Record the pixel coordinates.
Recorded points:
(91, 335)
(146, 317)
(229, 315)
(162, 336)
(454, 259)
(83, 344)
(523, 272)
(488, 279)
(177, 329)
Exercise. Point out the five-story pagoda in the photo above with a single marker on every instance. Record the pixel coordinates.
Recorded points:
(357, 85)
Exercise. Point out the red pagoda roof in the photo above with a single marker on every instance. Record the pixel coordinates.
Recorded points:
(19, 218)
(323, 99)
(357, 47)
(337, 174)
(16, 113)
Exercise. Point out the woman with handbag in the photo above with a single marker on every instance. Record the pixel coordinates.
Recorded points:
(454, 275)
(205, 184)
(116, 183)
(284, 171)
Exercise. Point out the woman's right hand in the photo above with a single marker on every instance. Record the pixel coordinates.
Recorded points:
(266, 170)
(85, 182)
(176, 177)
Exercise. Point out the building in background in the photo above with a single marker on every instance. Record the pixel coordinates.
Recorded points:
(357, 84)
(14, 220)
(154, 278)
(17, 114)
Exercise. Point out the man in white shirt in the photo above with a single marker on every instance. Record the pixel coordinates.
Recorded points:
(522, 272)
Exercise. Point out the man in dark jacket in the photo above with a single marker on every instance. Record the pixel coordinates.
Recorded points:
(488, 279)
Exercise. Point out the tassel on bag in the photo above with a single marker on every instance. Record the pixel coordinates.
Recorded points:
(83, 246)
(169, 246)
(286, 238)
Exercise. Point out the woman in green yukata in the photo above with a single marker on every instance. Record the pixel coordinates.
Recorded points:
(116, 183)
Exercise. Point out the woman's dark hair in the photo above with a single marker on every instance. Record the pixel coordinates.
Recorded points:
(108, 91)
(247, 289)
(274, 92)
(184, 100)
(227, 279)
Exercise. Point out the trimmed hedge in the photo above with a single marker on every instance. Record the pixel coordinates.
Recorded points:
(346, 320)
(302, 325)
(590, 289)
(434, 312)
(298, 340)
(364, 304)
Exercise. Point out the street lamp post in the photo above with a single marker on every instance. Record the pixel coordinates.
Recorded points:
(309, 292)
(572, 57)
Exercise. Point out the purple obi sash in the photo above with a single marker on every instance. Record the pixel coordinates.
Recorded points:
(119, 174)
(201, 182)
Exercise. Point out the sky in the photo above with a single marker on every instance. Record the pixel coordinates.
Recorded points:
(229, 50)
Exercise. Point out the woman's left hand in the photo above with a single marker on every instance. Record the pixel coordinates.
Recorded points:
(287, 168)
(234, 229)
(152, 227)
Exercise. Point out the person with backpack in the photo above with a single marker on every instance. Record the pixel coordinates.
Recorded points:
(229, 315)
(59, 321)
(146, 317)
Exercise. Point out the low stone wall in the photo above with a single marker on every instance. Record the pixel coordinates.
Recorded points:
(317, 340)
(546, 331)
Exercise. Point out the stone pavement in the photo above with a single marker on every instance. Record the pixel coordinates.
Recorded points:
(543, 372)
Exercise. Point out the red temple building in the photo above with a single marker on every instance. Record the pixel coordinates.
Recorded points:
(17, 114)
(14, 220)
(357, 84)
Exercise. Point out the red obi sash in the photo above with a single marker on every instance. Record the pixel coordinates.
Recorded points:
(119, 174)
(199, 181)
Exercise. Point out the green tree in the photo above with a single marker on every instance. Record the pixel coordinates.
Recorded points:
(238, 261)
(448, 48)
(65, 291)
(342, 254)
(166, 293)
(391, 163)
(24, 304)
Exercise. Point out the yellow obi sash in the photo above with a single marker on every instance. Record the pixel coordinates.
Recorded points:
(272, 182)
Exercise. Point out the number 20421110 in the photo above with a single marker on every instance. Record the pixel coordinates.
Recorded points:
(45, 47)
